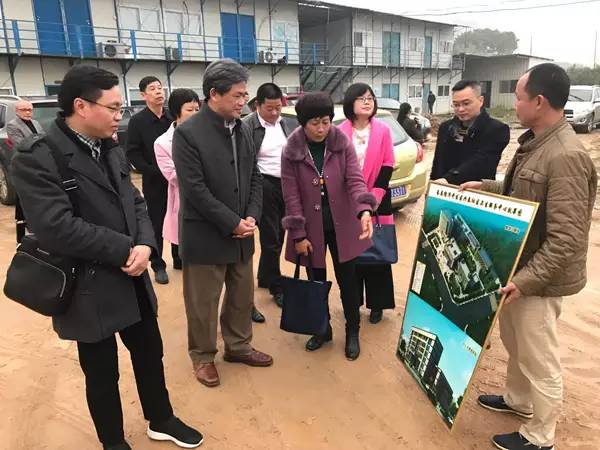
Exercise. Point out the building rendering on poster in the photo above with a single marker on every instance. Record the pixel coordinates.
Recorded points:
(468, 248)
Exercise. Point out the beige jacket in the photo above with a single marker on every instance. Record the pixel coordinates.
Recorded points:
(555, 170)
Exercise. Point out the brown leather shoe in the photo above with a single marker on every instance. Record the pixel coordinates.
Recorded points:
(254, 359)
(206, 373)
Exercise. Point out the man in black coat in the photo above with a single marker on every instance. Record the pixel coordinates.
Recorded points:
(269, 132)
(220, 189)
(111, 238)
(143, 129)
(469, 145)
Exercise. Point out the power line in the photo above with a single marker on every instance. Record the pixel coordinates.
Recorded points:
(471, 5)
(503, 9)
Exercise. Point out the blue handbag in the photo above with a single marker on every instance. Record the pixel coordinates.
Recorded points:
(305, 309)
(385, 246)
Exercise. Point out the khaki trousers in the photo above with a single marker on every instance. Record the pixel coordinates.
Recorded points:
(202, 287)
(534, 376)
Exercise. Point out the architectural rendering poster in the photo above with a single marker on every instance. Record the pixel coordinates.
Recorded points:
(468, 247)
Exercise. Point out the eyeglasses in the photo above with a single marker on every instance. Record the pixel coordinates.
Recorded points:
(365, 99)
(117, 110)
(25, 109)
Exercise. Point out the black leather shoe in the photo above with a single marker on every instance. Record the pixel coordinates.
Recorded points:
(278, 297)
(177, 264)
(257, 315)
(122, 446)
(316, 342)
(352, 344)
(376, 316)
(161, 277)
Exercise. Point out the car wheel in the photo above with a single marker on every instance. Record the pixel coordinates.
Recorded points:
(8, 196)
(590, 125)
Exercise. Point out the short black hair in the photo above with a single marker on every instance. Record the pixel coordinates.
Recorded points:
(312, 105)
(352, 93)
(221, 75)
(268, 91)
(86, 82)
(144, 82)
(180, 97)
(551, 82)
(463, 84)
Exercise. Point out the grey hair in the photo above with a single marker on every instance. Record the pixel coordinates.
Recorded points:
(220, 75)
(463, 84)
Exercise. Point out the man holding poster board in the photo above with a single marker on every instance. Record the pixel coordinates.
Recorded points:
(550, 167)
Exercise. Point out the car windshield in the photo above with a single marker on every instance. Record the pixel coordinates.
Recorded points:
(580, 95)
(399, 136)
(388, 103)
(45, 113)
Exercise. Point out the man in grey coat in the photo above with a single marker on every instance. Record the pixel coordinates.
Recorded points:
(220, 189)
(23, 125)
(18, 129)
(110, 235)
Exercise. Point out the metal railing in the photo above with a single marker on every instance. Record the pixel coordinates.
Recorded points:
(56, 39)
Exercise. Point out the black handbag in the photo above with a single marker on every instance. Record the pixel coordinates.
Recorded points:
(37, 279)
(385, 246)
(305, 309)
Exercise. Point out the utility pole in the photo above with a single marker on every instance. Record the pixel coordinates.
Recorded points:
(531, 45)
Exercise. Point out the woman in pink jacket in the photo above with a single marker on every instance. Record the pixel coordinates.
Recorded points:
(372, 141)
(183, 103)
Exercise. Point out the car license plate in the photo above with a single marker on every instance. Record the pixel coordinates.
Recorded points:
(399, 192)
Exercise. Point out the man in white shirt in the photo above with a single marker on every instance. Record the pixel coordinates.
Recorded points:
(269, 131)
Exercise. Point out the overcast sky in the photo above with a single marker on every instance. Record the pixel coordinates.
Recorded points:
(563, 33)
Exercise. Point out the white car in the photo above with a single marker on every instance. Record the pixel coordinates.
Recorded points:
(392, 105)
(583, 108)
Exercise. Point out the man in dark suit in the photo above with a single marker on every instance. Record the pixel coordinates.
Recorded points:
(111, 237)
(144, 127)
(269, 132)
(469, 145)
(221, 198)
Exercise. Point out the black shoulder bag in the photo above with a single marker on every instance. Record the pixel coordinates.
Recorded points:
(37, 279)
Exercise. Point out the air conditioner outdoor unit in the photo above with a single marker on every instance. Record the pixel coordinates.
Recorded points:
(114, 49)
(174, 54)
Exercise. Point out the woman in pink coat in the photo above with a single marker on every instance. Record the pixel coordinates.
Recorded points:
(183, 103)
(372, 141)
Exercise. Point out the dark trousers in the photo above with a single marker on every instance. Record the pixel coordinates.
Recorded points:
(345, 277)
(271, 235)
(430, 105)
(20, 219)
(155, 194)
(99, 363)
(375, 281)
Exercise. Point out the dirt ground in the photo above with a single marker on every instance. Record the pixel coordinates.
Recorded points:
(306, 400)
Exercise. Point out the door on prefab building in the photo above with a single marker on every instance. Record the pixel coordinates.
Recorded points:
(64, 27)
(425, 106)
(238, 33)
(79, 26)
(428, 51)
(391, 91)
(50, 28)
(391, 48)
(486, 92)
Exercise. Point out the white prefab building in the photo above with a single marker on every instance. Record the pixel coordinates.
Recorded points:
(298, 45)
(498, 75)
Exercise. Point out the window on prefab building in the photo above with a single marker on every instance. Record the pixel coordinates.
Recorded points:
(143, 19)
(178, 22)
(415, 91)
(445, 47)
(443, 90)
(358, 39)
(508, 86)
